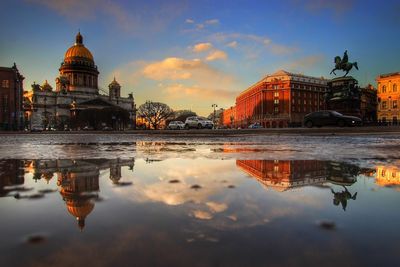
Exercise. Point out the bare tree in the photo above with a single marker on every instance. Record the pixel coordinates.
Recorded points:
(155, 113)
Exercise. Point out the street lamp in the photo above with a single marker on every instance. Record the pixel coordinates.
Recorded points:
(214, 106)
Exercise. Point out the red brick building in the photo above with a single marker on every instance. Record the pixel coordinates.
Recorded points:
(11, 95)
(228, 117)
(280, 100)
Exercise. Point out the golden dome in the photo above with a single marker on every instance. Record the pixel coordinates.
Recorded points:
(78, 50)
(80, 210)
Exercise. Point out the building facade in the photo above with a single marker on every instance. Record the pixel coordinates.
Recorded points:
(11, 96)
(389, 98)
(76, 90)
(280, 100)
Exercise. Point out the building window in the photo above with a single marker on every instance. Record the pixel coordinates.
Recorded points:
(394, 88)
(394, 104)
(276, 101)
(5, 83)
(276, 94)
(276, 109)
(5, 103)
(384, 89)
(384, 104)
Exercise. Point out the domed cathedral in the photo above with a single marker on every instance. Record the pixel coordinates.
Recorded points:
(78, 97)
(79, 69)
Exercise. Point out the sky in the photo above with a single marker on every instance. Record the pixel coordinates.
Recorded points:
(192, 54)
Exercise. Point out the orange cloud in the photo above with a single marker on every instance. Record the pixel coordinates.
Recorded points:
(181, 91)
(216, 54)
(201, 47)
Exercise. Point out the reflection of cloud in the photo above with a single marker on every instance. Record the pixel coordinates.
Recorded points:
(202, 215)
(173, 194)
(216, 207)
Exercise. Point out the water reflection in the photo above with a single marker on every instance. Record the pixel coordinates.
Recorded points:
(282, 175)
(78, 180)
(388, 176)
(194, 208)
(11, 176)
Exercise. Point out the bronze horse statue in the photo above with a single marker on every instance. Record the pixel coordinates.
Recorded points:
(343, 64)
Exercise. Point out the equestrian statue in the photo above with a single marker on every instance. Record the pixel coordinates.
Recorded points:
(344, 64)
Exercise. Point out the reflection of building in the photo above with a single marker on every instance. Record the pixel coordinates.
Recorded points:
(285, 174)
(280, 100)
(11, 92)
(11, 174)
(78, 180)
(387, 176)
(77, 90)
(389, 97)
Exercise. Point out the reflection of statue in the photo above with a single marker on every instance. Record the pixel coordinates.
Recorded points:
(344, 64)
(342, 197)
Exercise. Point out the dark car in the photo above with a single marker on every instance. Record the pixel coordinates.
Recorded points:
(330, 117)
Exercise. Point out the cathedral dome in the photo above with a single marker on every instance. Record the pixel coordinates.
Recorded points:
(78, 50)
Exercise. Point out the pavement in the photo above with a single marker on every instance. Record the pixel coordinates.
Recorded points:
(372, 130)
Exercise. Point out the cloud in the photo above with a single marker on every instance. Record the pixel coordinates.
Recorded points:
(174, 68)
(304, 63)
(216, 55)
(201, 47)
(180, 82)
(200, 26)
(249, 41)
(212, 21)
(232, 44)
(182, 91)
(337, 6)
(131, 20)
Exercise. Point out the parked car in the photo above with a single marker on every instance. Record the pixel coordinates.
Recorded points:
(88, 128)
(176, 125)
(198, 122)
(106, 128)
(37, 128)
(256, 125)
(330, 117)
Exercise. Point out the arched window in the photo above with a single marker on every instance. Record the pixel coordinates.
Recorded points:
(394, 88)
(384, 89)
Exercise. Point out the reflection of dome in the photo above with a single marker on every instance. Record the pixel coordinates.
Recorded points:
(78, 50)
(80, 209)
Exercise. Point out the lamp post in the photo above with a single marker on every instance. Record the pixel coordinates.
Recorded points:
(214, 106)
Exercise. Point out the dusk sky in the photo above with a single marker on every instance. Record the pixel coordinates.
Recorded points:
(192, 54)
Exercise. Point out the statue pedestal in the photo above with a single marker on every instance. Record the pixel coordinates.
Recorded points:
(344, 96)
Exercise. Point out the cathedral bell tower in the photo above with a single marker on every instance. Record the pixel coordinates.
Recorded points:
(114, 89)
